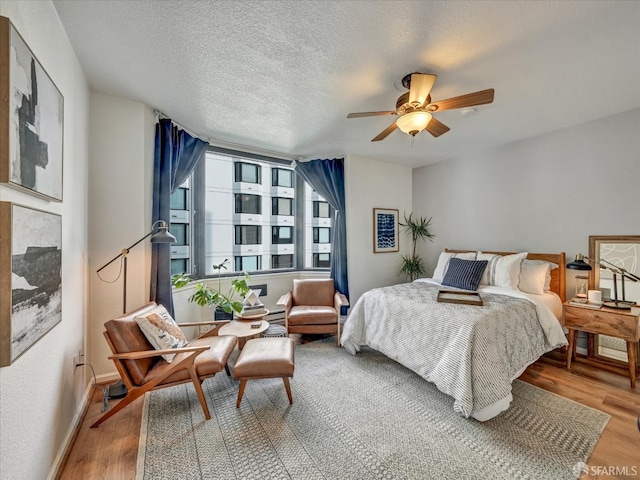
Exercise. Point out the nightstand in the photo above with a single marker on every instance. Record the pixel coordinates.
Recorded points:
(622, 324)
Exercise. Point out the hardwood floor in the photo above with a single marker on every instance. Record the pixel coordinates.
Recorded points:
(110, 451)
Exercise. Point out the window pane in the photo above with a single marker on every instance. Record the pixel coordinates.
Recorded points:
(179, 265)
(321, 209)
(249, 263)
(247, 172)
(281, 261)
(248, 203)
(321, 235)
(181, 232)
(281, 177)
(281, 235)
(281, 206)
(179, 199)
(248, 234)
(322, 260)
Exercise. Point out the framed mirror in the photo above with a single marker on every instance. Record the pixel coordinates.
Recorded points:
(622, 251)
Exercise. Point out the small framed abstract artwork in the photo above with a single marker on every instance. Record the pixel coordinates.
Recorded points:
(385, 230)
(30, 277)
(31, 120)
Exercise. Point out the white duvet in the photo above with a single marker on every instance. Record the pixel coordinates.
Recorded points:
(471, 353)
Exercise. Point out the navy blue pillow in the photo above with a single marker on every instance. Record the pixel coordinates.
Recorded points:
(464, 274)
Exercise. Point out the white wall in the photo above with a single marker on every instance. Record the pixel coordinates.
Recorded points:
(373, 184)
(542, 194)
(41, 393)
(120, 184)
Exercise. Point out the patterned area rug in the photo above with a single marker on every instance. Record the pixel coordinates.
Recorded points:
(358, 417)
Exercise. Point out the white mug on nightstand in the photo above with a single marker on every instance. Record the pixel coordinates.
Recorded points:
(595, 296)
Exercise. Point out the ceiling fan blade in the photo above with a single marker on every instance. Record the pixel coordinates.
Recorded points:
(421, 85)
(382, 135)
(436, 128)
(371, 114)
(469, 100)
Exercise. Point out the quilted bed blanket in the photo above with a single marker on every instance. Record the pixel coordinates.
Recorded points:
(471, 353)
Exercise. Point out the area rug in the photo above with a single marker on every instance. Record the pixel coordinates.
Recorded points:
(358, 417)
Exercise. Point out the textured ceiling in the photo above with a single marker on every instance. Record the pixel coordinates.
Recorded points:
(283, 75)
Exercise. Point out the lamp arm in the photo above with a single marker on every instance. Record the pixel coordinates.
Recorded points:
(125, 251)
(614, 268)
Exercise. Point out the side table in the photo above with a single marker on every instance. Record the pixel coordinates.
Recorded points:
(622, 324)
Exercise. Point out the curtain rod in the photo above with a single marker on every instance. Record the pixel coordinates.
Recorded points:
(229, 145)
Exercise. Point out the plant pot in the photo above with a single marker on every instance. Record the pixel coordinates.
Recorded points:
(220, 314)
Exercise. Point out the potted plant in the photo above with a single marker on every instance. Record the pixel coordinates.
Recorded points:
(207, 296)
(418, 228)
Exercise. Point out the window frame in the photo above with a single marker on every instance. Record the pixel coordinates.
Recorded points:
(240, 227)
(317, 229)
(316, 203)
(237, 172)
(275, 176)
(198, 220)
(236, 195)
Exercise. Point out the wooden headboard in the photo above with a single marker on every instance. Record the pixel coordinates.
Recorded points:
(558, 275)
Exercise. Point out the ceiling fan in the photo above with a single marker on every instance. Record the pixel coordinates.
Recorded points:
(415, 108)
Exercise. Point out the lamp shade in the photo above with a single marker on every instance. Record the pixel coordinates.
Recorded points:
(163, 235)
(414, 122)
(579, 263)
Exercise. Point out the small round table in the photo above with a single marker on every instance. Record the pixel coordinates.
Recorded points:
(241, 328)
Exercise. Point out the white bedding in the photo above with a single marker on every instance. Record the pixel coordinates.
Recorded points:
(470, 353)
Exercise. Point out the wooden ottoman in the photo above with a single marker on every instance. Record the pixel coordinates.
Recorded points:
(265, 358)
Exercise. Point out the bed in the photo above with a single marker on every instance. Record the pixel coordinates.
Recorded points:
(472, 353)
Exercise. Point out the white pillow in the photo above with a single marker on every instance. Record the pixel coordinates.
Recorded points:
(526, 268)
(533, 276)
(507, 271)
(489, 271)
(161, 330)
(443, 263)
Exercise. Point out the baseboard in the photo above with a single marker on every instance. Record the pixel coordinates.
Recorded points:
(65, 448)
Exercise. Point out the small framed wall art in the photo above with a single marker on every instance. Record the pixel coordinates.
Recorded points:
(31, 120)
(30, 277)
(385, 230)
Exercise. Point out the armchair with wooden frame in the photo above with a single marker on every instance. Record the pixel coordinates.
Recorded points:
(313, 306)
(142, 368)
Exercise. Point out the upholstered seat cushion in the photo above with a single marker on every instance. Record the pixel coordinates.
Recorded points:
(207, 363)
(266, 357)
(312, 315)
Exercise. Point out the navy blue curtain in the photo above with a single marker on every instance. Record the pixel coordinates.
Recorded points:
(327, 178)
(176, 155)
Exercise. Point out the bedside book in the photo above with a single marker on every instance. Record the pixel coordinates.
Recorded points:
(584, 303)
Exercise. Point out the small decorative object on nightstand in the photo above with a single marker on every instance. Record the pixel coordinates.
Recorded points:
(622, 324)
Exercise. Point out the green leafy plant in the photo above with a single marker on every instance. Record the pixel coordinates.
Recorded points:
(418, 229)
(205, 295)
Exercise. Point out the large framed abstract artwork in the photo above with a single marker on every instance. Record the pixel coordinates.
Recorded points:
(385, 230)
(31, 120)
(30, 277)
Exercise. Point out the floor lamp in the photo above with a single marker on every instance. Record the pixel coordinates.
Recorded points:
(159, 234)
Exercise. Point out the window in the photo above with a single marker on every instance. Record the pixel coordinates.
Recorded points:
(248, 203)
(247, 172)
(321, 235)
(281, 177)
(321, 210)
(281, 261)
(281, 235)
(281, 206)
(181, 232)
(180, 199)
(248, 235)
(322, 260)
(179, 265)
(277, 231)
(249, 263)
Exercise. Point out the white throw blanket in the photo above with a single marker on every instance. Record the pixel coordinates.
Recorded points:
(471, 353)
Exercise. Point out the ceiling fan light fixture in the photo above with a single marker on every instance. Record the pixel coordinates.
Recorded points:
(414, 122)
